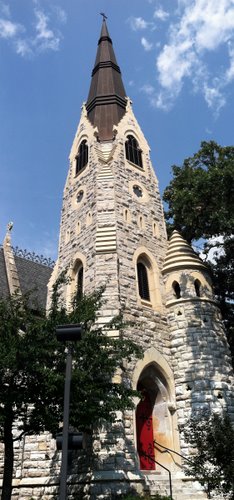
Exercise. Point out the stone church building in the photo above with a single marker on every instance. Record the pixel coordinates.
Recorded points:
(113, 233)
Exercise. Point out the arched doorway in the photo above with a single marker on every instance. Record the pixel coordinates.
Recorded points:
(153, 419)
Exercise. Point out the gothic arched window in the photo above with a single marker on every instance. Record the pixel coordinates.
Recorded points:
(82, 156)
(143, 282)
(80, 279)
(133, 152)
(197, 286)
(176, 288)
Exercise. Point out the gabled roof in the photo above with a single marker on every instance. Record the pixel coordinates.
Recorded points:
(180, 255)
(106, 101)
(32, 276)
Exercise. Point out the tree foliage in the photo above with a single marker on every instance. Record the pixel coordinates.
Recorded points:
(200, 204)
(200, 196)
(212, 464)
(32, 368)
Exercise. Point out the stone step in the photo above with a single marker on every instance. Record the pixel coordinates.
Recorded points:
(181, 490)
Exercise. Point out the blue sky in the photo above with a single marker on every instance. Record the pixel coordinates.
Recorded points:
(177, 63)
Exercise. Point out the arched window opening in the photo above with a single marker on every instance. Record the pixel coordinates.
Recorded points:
(143, 282)
(127, 216)
(197, 286)
(67, 236)
(82, 156)
(176, 288)
(78, 227)
(155, 229)
(141, 223)
(80, 279)
(133, 152)
(152, 422)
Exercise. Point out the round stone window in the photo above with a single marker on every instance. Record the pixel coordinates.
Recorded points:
(137, 191)
(79, 196)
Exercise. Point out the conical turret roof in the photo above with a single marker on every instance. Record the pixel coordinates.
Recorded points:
(107, 101)
(180, 255)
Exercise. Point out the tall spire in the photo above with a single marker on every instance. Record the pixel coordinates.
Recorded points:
(106, 101)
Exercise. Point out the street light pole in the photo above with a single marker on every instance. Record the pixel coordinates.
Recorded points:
(66, 408)
(67, 333)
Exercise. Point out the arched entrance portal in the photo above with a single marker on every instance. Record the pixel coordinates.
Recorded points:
(153, 419)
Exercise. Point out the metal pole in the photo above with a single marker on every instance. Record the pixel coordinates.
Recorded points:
(63, 474)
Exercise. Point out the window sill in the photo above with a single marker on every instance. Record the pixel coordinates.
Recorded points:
(141, 169)
(146, 303)
(81, 171)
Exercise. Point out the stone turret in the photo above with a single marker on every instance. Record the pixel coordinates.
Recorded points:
(199, 351)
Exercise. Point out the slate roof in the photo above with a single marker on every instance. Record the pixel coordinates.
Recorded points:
(32, 276)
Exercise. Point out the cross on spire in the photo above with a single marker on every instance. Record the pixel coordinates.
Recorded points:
(103, 15)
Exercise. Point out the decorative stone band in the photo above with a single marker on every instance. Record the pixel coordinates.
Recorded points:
(192, 300)
(106, 239)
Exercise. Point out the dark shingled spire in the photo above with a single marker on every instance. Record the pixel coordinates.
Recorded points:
(106, 102)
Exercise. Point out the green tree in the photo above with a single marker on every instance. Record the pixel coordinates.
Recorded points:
(212, 463)
(32, 367)
(200, 196)
(200, 205)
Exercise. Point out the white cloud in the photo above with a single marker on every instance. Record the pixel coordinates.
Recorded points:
(148, 89)
(230, 71)
(138, 23)
(23, 47)
(147, 45)
(9, 29)
(61, 14)
(214, 97)
(45, 38)
(204, 27)
(161, 14)
(216, 249)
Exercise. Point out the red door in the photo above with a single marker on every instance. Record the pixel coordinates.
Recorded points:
(144, 427)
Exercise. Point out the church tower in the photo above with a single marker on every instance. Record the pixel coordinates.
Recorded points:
(113, 233)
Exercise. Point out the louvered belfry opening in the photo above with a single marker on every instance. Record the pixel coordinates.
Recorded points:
(143, 283)
(106, 103)
(133, 152)
(82, 157)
